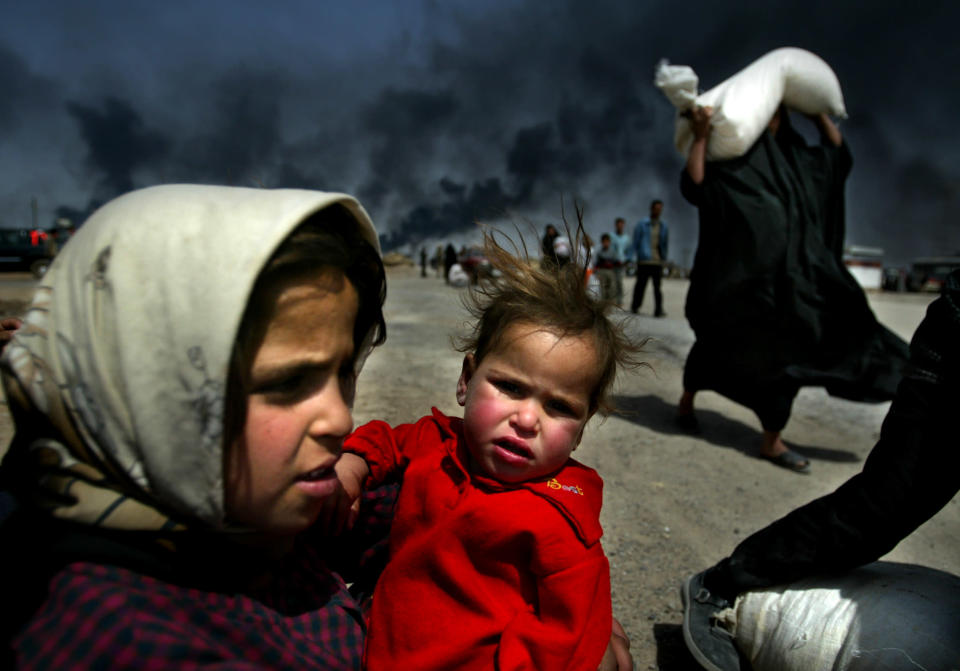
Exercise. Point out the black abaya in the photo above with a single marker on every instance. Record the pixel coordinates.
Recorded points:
(770, 300)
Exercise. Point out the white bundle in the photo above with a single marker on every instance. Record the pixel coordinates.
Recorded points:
(883, 615)
(458, 276)
(744, 103)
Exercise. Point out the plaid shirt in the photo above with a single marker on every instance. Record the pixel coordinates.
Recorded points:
(300, 616)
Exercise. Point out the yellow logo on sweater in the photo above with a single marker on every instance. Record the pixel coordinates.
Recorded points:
(553, 483)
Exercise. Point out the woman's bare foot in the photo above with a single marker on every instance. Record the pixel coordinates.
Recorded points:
(685, 419)
(772, 446)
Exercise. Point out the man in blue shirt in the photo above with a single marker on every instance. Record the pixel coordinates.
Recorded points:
(650, 249)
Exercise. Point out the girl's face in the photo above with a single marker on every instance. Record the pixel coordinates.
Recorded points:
(525, 404)
(280, 469)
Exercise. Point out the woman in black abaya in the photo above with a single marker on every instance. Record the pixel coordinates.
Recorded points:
(772, 305)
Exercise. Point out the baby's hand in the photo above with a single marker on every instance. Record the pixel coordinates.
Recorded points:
(340, 509)
(617, 657)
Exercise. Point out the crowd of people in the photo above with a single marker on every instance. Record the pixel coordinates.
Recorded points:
(644, 252)
(186, 492)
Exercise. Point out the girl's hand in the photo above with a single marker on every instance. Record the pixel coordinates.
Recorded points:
(8, 326)
(340, 509)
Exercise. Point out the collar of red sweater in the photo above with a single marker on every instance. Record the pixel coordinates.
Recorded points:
(576, 491)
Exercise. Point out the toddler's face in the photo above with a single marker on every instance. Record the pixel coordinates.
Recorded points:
(525, 405)
(280, 469)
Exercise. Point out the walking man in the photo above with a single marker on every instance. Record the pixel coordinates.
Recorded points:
(620, 241)
(650, 250)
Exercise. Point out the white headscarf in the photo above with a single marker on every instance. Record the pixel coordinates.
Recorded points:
(117, 377)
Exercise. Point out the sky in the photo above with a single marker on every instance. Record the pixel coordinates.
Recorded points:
(437, 115)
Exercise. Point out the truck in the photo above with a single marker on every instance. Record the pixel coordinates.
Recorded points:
(25, 249)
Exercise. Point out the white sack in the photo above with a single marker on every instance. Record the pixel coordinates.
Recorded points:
(879, 617)
(458, 276)
(744, 103)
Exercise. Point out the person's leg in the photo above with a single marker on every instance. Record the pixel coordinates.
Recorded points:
(657, 275)
(639, 288)
(773, 409)
(771, 445)
(685, 418)
(618, 284)
(608, 284)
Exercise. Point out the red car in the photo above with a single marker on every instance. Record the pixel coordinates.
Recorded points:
(475, 263)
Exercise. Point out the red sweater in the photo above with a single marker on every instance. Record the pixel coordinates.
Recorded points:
(484, 575)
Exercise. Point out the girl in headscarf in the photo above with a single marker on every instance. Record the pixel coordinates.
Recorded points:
(180, 389)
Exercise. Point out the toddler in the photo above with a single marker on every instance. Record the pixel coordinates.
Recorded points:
(495, 555)
(607, 261)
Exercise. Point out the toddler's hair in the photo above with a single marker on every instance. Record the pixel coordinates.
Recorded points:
(555, 299)
(330, 239)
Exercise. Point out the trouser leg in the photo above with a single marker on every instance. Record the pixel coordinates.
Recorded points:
(618, 285)
(656, 275)
(607, 284)
(773, 406)
(639, 289)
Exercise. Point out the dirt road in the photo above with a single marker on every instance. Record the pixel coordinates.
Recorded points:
(674, 504)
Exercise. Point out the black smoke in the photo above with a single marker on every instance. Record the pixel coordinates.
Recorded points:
(117, 142)
(24, 92)
(241, 141)
(512, 107)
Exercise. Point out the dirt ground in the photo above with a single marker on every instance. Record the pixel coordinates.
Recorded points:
(674, 504)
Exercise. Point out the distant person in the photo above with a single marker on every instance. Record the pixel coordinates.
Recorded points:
(771, 304)
(496, 559)
(911, 473)
(449, 258)
(587, 249)
(562, 251)
(548, 256)
(622, 245)
(606, 262)
(650, 239)
(588, 258)
(52, 242)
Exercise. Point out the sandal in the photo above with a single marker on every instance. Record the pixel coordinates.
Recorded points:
(790, 460)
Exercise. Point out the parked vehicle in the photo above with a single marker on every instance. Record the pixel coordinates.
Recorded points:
(25, 249)
(929, 273)
(475, 263)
